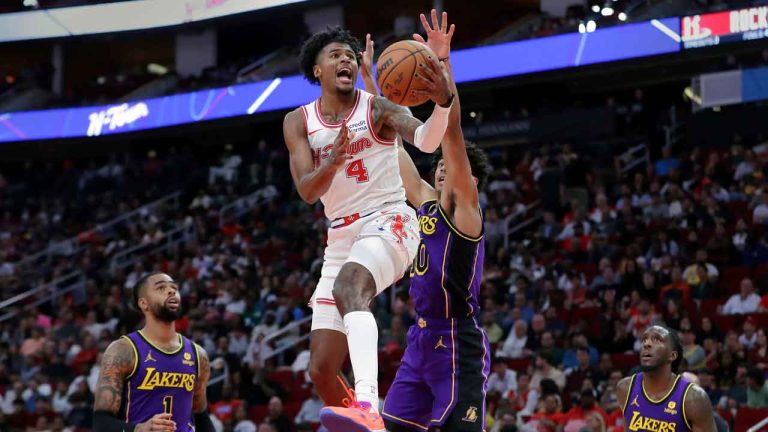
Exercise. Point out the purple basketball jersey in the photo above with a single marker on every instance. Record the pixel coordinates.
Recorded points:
(642, 414)
(448, 268)
(161, 382)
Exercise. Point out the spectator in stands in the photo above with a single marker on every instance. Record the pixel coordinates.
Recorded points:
(576, 418)
(748, 338)
(225, 408)
(694, 355)
(230, 163)
(544, 370)
(758, 356)
(548, 346)
(491, 327)
(276, 417)
(667, 163)
(606, 280)
(549, 419)
(514, 345)
(310, 409)
(570, 358)
(503, 380)
(757, 389)
(691, 273)
(241, 421)
(745, 302)
(576, 375)
(550, 228)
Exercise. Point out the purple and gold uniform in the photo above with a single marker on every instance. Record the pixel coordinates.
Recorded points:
(643, 414)
(443, 375)
(161, 381)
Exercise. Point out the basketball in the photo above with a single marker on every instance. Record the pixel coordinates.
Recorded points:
(396, 68)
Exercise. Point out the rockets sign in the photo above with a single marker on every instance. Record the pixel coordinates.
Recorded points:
(722, 27)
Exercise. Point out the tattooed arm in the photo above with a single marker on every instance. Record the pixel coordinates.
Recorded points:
(200, 400)
(697, 410)
(117, 364)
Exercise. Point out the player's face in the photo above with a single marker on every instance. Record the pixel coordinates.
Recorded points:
(655, 349)
(440, 175)
(337, 67)
(162, 297)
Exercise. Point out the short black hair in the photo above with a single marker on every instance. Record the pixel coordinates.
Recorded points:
(756, 375)
(478, 161)
(318, 41)
(139, 285)
(677, 346)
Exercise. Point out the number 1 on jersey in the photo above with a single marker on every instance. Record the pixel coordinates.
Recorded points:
(358, 171)
(168, 404)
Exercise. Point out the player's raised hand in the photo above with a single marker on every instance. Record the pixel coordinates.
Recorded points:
(339, 155)
(158, 423)
(438, 35)
(433, 82)
(366, 58)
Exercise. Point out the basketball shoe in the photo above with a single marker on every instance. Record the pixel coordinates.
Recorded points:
(354, 416)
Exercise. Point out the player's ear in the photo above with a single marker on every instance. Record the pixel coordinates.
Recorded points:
(477, 182)
(143, 303)
(316, 71)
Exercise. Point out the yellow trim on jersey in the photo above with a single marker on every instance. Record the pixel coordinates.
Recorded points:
(197, 358)
(426, 201)
(453, 375)
(442, 276)
(629, 393)
(456, 230)
(181, 344)
(472, 279)
(685, 417)
(404, 421)
(671, 389)
(128, 404)
(135, 358)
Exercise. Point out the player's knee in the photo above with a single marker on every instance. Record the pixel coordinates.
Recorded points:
(354, 288)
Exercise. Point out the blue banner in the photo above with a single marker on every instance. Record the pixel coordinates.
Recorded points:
(509, 59)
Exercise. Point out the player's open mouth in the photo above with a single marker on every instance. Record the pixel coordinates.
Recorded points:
(344, 75)
(172, 303)
(646, 356)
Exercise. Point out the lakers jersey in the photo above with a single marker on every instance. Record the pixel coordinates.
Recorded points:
(448, 268)
(368, 180)
(161, 382)
(643, 414)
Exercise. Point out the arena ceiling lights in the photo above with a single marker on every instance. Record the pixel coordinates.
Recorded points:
(121, 16)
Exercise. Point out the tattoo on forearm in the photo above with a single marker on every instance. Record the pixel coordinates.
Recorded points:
(116, 365)
(199, 398)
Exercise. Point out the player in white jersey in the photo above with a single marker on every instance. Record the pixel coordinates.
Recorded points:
(342, 151)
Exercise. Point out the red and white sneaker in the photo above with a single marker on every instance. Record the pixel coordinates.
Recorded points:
(354, 416)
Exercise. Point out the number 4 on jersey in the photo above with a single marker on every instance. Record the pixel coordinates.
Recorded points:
(358, 171)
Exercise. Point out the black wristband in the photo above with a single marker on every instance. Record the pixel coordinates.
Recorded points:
(449, 102)
(203, 422)
(105, 421)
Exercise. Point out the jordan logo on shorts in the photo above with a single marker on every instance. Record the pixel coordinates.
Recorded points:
(440, 343)
(471, 415)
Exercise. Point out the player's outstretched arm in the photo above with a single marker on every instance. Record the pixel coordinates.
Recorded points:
(311, 182)
(391, 119)
(117, 364)
(416, 190)
(697, 410)
(200, 399)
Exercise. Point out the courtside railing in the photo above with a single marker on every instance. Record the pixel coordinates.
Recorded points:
(43, 293)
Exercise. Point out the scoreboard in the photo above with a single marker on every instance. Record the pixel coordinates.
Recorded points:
(697, 31)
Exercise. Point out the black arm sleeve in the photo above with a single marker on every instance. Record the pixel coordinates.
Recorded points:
(105, 421)
(203, 422)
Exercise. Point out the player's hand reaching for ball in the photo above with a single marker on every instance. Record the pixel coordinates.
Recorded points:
(366, 59)
(438, 35)
(433, 82)
(158, 423)
(339, 156)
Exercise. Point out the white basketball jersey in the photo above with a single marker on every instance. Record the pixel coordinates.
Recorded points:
(368, 180)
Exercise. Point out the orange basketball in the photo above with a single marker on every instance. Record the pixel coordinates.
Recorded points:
(396, 69)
